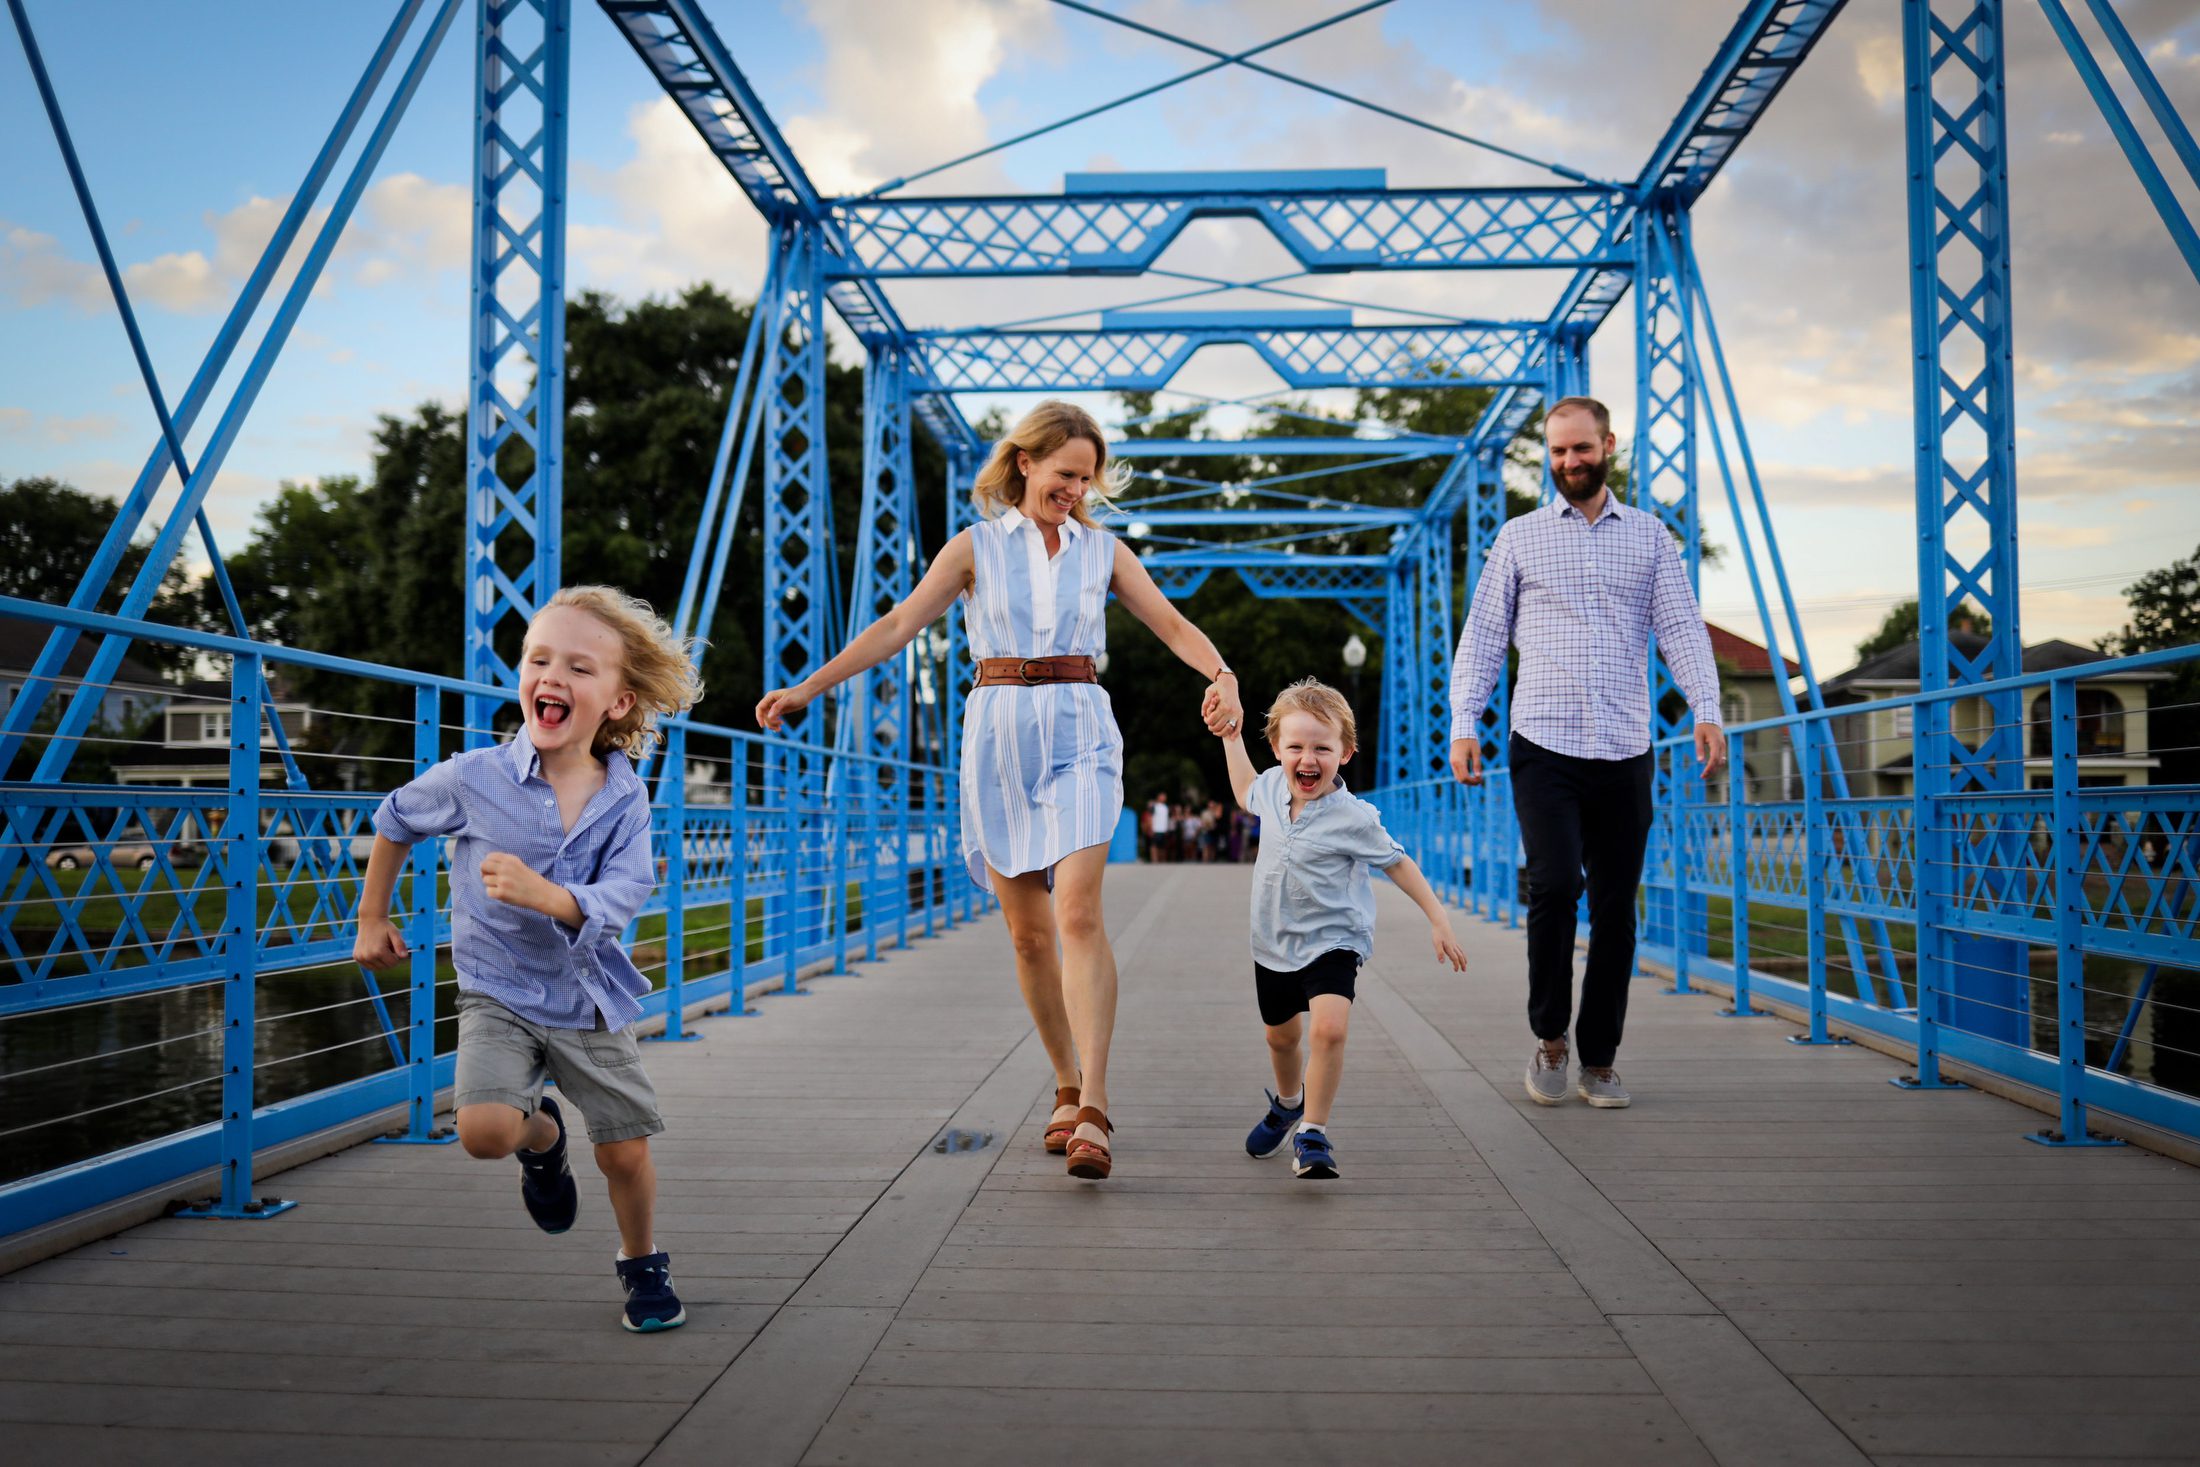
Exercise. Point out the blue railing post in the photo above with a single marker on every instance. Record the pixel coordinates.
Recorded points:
(1737, 846)
(933, 888)
(836, 865)
(1932, 882)
(420, 936)
(1814, 884)
(1676, 787)
(240, 869)
(737, 896)
(901, 869)
(2066, 834)
(672, 784)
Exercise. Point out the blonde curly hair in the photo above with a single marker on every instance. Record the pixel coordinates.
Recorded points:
(657, 666)
(1045, 428)
(1312, 695)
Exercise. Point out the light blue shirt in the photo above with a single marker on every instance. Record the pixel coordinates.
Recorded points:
(1311, 889)
(496, 799)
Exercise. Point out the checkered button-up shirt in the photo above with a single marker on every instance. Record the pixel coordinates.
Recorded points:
(1581, 601)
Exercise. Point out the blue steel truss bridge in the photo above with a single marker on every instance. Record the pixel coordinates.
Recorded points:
(1792, 1260)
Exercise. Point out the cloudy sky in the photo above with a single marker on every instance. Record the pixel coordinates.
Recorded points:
(195, 122)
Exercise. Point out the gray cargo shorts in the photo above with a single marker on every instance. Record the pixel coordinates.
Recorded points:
(503, 1059)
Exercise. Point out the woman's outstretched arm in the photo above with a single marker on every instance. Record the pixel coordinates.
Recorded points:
(1143, 599)
(949, 577)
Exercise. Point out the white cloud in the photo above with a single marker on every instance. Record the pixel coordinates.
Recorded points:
(34, 271)
(21, 423)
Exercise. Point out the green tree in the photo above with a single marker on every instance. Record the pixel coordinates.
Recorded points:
(1899, 627)
(374, 568)
(49, 531)
(2164, 611)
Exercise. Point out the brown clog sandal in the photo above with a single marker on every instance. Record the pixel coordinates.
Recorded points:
(1091, 1160)
(1058, 1132)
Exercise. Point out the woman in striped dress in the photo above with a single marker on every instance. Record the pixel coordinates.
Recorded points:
(1042, 760)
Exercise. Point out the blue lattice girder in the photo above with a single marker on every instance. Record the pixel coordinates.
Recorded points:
(517, 357)
(800, 588)
(877, 719)
(1123, 359)
(1100, 227)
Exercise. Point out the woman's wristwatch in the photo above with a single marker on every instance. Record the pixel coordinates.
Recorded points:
(1221, 673)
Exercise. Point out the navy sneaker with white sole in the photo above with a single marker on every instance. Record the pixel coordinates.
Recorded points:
(1311, 1157)
(1275, 1127)
(546, 1180)
(650, 1303)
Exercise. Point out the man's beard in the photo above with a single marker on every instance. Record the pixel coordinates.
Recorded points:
(1586, 480)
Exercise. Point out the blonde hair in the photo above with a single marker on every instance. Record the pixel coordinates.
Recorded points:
(657, 666)
(1039, 432)
(1312, 695)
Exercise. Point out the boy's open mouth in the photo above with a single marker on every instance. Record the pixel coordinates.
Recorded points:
(1308, 780)
(552, 712)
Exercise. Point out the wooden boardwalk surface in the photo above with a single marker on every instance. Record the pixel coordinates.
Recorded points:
(1774, 1257)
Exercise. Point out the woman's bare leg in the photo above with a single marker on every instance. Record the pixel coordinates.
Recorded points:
(1088, 971)
(1030, 913)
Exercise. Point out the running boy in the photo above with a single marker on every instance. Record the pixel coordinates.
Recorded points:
(549, 863)
(1314, 910)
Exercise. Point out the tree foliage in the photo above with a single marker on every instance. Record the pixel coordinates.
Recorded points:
(49, 532)
(1899, 627)
(2164, 610)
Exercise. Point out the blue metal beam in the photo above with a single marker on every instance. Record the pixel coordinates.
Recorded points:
(522, 69)
(1121, 225)
(1303, 356)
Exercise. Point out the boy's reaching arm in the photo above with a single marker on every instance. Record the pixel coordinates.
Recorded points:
(1408, 879)
(1241, 767)
(419, 810)
(379, 944)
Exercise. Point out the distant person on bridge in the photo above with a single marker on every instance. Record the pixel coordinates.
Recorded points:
(1579, 587)
(1313, 914)
(1042, 760)
(549, 863)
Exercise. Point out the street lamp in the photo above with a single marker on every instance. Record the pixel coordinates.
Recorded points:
(1355, 658)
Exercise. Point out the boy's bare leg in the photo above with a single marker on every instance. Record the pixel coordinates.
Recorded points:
(631, 1177)
(493, 1130)
(1029, 909)
(1328, 1015)
(1284, 1055)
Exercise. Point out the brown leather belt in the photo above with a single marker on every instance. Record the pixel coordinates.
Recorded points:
(1031, 671)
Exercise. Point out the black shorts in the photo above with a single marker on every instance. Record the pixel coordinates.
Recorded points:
(1284, 996)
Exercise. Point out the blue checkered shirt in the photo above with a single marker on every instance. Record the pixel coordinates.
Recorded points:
(495, 799)
(1581, 601)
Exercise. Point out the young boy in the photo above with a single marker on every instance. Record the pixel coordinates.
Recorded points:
(1314, 910)
(548, 863)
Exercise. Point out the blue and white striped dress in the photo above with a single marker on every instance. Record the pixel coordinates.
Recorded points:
(1042, 767)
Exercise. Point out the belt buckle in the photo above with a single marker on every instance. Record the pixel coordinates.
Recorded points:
(1023, 670)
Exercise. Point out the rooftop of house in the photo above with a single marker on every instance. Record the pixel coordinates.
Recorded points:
(1897, 666)
(1743, 655)
(21, 640)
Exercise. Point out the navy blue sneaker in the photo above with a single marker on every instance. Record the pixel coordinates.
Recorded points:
(1275, 1127)
(1311, 1157)
(546, 1180)
(650, 1302)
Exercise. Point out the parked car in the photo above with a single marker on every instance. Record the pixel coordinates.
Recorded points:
(126, 855)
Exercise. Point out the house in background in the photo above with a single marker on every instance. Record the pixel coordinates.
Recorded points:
(190, 745)
(134, 691)
(1748, 693)
(1875, 743)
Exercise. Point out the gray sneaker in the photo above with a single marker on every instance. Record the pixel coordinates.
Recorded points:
(1602, 1089)
(1547, 1074)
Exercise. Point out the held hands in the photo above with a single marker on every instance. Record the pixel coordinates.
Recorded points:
(512, 881)
(1448, 949)
(1466, 760)
(1220, 709)
(379, 944)
(778, 704)
(1710, 747)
